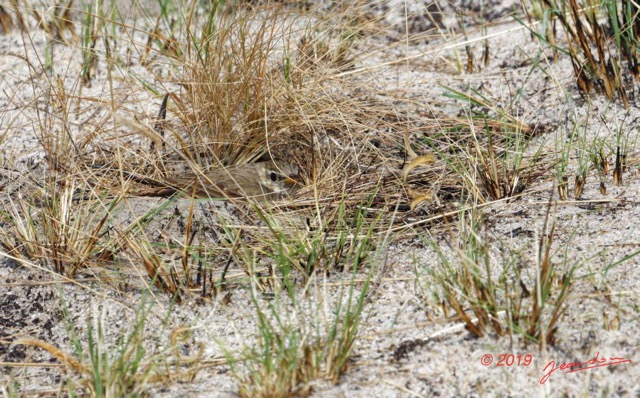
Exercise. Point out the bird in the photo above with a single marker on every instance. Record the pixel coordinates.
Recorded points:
(261, 181)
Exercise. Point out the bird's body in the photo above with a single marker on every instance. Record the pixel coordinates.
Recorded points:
(262, 180)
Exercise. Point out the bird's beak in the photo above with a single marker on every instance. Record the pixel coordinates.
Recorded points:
(291, 182)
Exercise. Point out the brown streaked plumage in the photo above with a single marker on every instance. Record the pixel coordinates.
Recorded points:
(262, 180)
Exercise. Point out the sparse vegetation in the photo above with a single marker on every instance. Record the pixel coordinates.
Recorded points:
(290, 353)
(125, 367)
(504, 295)
(397, 147)
(54, 227)
(601, 42)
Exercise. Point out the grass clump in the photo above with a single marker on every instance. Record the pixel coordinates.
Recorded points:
(602, 42)
(518, 298)
(290, 354)
(127, 366)
(58, 229)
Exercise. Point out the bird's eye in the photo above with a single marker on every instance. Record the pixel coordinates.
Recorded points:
(273, 176)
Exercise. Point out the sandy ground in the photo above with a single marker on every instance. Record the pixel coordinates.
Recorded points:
(406, 346)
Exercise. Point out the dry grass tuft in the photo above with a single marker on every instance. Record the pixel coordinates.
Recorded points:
(600, 36)
(506, 300)
(60, 230)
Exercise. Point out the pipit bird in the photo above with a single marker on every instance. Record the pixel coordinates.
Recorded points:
(262, 180)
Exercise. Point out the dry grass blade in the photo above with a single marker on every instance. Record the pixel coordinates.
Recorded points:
(155, 268)
(6, 22)
(619, 167)
(63, 357)
(417, 197)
